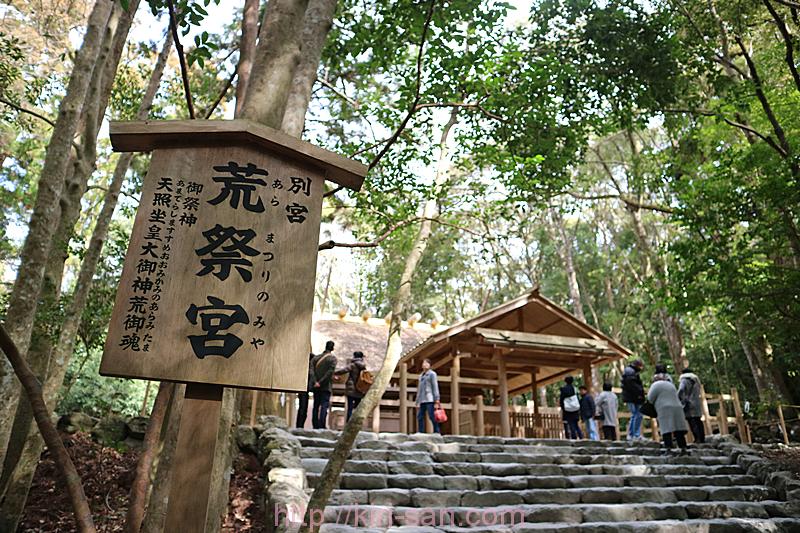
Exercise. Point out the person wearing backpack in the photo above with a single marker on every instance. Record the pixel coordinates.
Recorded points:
(357, 378)
(570, 409)
(322, 366)
(689, 394)
(633, 395)
(427, 397)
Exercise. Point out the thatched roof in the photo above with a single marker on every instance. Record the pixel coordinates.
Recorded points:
(355, 334)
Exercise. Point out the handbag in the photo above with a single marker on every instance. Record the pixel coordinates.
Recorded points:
(648, 409)
(572, 404)
(440, 415)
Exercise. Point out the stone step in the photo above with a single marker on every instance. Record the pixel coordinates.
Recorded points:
(618, 448)
(447, 471)
(519, 462)
(720, 525)
(386, 516)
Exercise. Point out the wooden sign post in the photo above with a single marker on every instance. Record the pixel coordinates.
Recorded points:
(217, 288)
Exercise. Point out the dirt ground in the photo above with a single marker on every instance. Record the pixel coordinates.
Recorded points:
(107, 476)
(788, 457)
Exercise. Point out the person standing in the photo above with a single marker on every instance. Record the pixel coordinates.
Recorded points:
(353, 371)
(587, 413)
(607, 412)
(664, 396)
(427, 397)
(633, 395)
(663, 373)
(302, 409)
(689, 395)
(322, 366)
(570, 409)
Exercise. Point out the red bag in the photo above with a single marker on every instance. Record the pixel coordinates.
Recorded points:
(440, 415)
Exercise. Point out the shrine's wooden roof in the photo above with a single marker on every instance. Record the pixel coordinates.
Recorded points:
(531, 333)
(144, 136)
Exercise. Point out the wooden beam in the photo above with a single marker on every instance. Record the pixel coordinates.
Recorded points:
(376, 419)
(455, 393)
(737, 410)
(403, 397)
(441, 362)
(542, 340)
(505, 422)
(479, 423)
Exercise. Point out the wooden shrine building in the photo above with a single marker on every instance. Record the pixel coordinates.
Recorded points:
(517, 347)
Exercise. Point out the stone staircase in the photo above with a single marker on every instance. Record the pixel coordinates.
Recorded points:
(417, 483)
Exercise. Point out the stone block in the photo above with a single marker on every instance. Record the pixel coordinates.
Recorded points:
(580, 482)
(548, 482)
(642, 495)
(544, 496)
(497, 469)
(502, 483)
(366, 467)
(349, 497)
(457, 469)
(645, 481)
(410, 467)
(461, 483)
(491, 498)
(456, 457)
(408, 481)
(363, 481)
(435, 498)
(390, 497)
(600, 495)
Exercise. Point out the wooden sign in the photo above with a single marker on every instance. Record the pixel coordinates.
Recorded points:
(218, 281)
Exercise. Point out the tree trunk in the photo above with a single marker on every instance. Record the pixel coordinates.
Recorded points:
(316, 25)
(161, 470)
(568, 256)
(138, 493)
(770, 385)
(394, 349)
(46, 212)
(277, 55)
(247, 49)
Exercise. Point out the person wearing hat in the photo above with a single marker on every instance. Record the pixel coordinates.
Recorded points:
(633, 395)
(353, 371)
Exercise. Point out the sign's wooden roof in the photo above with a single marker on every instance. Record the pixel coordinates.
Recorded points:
(144, 136)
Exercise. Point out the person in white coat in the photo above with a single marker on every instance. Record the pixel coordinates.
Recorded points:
(606, 405)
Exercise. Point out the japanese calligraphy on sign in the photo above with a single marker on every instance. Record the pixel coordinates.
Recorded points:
(218, 281)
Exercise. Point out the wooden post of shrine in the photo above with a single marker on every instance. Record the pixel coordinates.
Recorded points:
(253, 407)
(737, 410)
(403, 397)
(538, 430)
(480, 430)
(376, 418)
(217, 288)
(722, 416)
(455, 396)
(505, 422)
(587, 377)
(706, 412)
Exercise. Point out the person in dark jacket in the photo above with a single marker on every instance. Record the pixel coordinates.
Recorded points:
(587, 414)
(689, 394)
(302, 409)
(353, 371)
(633, 395)
(570, 409)
(322, 367)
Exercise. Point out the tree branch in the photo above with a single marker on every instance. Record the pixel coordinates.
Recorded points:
(417, 90)
(788, 41)
(467, 105)
(789, 3)
(28, 111)
(33, 391)
(328, 245)
(337, 92)
(762, 98)
(222, 93)
(173, 25)
(624, 199)
(744, 127)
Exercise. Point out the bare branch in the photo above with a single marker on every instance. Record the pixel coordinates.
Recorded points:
(467, 105)
(630, 202)
(417, 90)
(333, 244)
(337, 92)
(173, 25)
(28, 111)
(65, 466)
(789, 3)
(333, 191)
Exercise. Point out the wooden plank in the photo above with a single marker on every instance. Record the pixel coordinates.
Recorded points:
(146, 136)
(376, 419)
(403, 397)
(194, 459)
(176, 278)
(253, 407)
(455, 393)
(542, 340)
